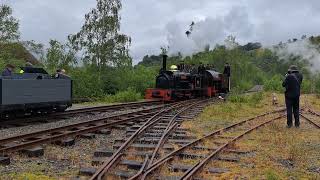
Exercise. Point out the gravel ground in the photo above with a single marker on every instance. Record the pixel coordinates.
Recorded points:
(61, 162)
(62, 122)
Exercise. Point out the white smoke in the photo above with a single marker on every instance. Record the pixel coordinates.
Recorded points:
(302, 48)
(208, 31)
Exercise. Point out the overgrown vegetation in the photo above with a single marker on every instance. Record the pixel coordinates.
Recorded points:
(276, 152)
(237, 108)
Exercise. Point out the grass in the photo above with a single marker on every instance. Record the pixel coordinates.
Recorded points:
(278, 152)
(237, 108)
(26, 176)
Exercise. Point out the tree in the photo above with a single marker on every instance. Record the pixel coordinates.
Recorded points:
(99, 37)
(36, 49)
(9, 26)
(59, 56)
(231, 42)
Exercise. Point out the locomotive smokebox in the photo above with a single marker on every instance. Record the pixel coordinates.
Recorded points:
(164, 62)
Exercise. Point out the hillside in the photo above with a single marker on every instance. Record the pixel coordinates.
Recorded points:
(16, 53)
(253, 64)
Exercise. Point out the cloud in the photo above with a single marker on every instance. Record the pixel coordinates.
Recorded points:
(302, 48)
(209, 31)
(152, 23)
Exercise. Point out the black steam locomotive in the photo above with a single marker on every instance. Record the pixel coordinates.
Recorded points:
(186, 84)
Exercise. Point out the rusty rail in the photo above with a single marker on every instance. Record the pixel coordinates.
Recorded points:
(191, 172)
(153, 120)
(54, 134)
(48, 117)
(168, 157)
(310, 121)
(107, 165)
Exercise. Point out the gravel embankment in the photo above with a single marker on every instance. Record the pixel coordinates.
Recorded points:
(59, 161)
(59, 123)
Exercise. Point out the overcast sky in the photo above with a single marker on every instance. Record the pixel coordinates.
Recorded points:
(155, 23)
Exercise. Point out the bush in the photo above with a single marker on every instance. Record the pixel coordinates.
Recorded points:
(306, 86)
(256, 98)
(274, 84)
(238, 99)
(252, 99)
(128, 95)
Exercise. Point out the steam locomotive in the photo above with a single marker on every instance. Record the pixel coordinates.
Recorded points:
(182, 84)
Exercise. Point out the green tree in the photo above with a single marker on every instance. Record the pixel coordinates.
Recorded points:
(59, 56)
(99, 37)
(9, 26)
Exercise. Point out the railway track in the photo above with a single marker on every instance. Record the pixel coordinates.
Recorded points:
(147, 141)
(190, 161)
(65, 135)
(19, 122)
(312, 121)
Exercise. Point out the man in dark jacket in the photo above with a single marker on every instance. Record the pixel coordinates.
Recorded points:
(227, 71)
(292, 83)
(8, 70)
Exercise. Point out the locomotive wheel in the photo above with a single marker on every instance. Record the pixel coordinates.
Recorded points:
(61, 108)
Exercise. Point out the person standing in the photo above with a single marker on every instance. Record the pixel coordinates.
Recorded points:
(8, 70)
(292, 84)
(227, 71)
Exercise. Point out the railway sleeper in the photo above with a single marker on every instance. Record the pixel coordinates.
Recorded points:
(87, 171)
(156, 140)
(173, 178)
(5, 160)
(145, 146)
(120, 127)
(173, 136)
(157, 126)
(33, 152)
(184, 168)
(109, 153)
(65, 142)
(87, 136)
(158, 131)
(201, 156)
(103, 131)
(123, 174)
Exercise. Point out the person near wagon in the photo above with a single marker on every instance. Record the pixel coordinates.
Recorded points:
(292, 84)
(227, 71)
(8, 70)
(60, 72)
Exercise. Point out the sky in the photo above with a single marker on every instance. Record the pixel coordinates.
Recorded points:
(155, 23)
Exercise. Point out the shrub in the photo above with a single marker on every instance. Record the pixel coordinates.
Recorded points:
(252, 99)
(238, 99)
(256, 98)
(128, 95)
(274, 84)
(306, 86)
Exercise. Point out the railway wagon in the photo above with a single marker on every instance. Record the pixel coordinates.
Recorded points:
(34, 91)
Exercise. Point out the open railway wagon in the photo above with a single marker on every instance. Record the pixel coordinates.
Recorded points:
(34, 91)
(182, 84)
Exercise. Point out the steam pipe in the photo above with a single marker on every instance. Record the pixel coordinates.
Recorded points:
(164, 62)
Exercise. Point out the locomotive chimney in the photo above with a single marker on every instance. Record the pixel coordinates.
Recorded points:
(164, 62)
